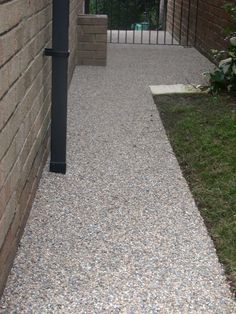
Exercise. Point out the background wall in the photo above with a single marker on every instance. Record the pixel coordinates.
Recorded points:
(25, 90)
(76, 8)
(211, 20)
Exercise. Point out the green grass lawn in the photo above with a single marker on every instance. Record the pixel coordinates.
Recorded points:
(202, 132)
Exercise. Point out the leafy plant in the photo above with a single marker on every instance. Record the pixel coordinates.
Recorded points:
(125, 13)
(231, 9)
(223, 78)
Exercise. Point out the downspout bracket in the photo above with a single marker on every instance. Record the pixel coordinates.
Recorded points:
(56, 53)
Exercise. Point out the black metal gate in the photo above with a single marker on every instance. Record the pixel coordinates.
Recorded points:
(153, 22)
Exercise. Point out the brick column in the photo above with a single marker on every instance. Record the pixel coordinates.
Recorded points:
(92, 40)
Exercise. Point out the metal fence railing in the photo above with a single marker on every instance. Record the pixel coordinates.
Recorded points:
(160, 22)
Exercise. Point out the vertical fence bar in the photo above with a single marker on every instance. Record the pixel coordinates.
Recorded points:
(86, 6)
(157, 4)
(96, 6)
(196, 23)
(145, 12)
(165, 19)
(181, 22)
(149, 22)
(173, 23)
(111, 20)
(118, 25)
(126, 25)
(188, 24)
(134, 25)
(141, 33)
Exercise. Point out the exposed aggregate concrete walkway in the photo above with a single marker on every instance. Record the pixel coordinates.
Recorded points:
(120, 233)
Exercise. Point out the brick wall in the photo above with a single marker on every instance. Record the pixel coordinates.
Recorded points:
(211, 20)
(25, 90)
(92, 40)
(76, 7)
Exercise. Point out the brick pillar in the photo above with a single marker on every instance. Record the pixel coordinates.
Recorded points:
(92, 40)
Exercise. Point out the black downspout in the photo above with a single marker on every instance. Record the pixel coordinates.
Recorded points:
(60, 54)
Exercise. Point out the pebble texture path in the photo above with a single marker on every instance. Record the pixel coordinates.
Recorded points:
(120, 233)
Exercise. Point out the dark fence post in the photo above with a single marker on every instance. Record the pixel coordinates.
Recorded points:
(86, 7)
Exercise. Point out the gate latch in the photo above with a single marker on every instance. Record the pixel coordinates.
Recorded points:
(56, 53)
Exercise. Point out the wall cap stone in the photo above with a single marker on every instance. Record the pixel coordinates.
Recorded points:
(92, 16)
(177, 89)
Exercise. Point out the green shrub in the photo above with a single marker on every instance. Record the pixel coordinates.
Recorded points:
(223, 77)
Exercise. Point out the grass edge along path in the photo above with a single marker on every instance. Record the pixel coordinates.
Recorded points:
(202, 132)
